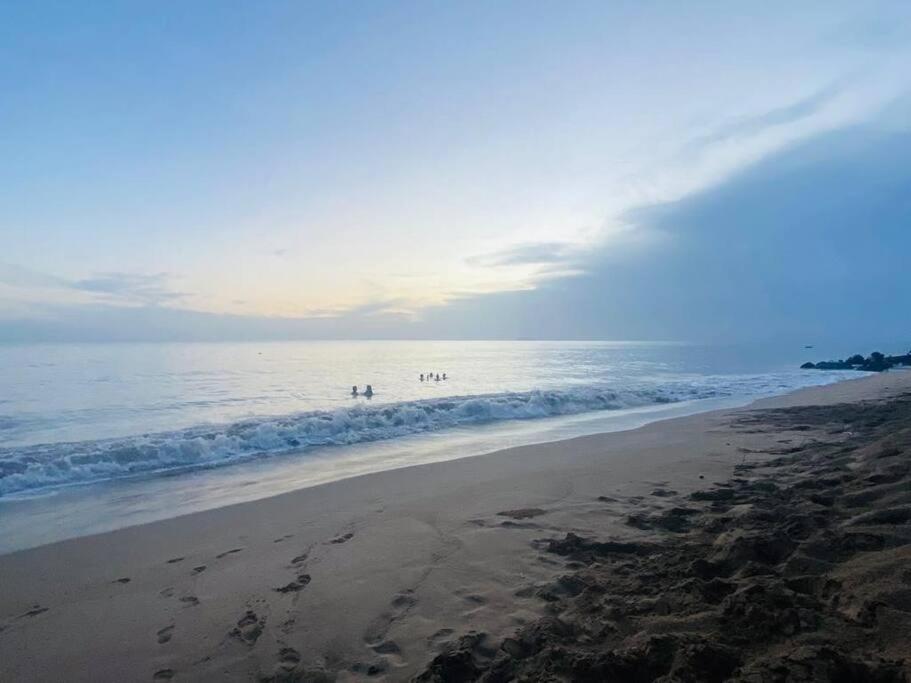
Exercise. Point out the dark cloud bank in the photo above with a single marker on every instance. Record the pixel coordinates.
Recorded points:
(813, 242)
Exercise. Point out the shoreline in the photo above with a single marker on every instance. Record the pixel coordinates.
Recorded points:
(373, 573)
(33, 468)
(258, 480)
(84, 509)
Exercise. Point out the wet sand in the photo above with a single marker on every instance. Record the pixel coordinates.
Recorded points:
(749, 543)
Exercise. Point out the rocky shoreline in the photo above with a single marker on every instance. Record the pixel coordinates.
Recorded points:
(796, 569)
(875, 362)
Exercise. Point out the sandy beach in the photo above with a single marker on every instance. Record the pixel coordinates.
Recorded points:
(628, 556)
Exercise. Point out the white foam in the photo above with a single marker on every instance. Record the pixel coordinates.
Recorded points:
(31, 468)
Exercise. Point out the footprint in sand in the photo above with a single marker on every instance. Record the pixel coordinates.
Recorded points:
(440, 638)
(509, 524)
(166, 592)
(35, 611)
(475, 604)
(299, 560)
(228, 552)
(249, 628)
(198, 570)
(401, 605)
(165, 634)
(295, 586)
(175, 560)
(288, 658)
(664, 493)
(522, 513)
(163, 675)
(387, 647)
(125, 579)
(390, 651)
(527, 592)
(369, 669)
(342, 539)
(404, 600)
(190, 600)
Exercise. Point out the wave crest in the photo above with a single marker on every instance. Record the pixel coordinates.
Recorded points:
(33, 467)
(49, 465)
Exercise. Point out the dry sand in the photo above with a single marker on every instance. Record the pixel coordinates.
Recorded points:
(582, 559)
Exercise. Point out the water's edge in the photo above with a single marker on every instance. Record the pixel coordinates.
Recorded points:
(41, 467)
(107, 506)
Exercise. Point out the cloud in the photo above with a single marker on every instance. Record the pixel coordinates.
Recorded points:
(885, 28)
(17, 276)
(36, 289)
(808, 244)
(749, 126)
(532, 253)
(365, 310)
(105, 322)
(146, 290)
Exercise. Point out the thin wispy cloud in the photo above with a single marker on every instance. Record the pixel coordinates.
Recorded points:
(131, 289)
(535, 253)
(147, 290)
(753, 125)
(17, 276)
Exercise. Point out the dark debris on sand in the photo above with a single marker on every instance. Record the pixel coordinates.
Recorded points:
(795, 570)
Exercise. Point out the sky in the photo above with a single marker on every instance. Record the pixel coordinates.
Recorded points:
(622, 170)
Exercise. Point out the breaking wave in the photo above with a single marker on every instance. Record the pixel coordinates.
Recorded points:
(49, 465)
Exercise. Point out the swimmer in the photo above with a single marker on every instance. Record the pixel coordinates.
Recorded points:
(444, 375)
(422, 376)
(437, 378)
(354, 390)
(368, 392)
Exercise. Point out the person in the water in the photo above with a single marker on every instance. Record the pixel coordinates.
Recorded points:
(368, 392)
(354, 390)
(444, 375)
(422, 376)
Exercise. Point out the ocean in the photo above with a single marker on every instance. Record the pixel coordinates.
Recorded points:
(178, 427)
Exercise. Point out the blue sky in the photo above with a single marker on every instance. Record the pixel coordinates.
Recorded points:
(447, 169)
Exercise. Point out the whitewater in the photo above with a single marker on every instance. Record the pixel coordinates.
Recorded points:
(233, 403)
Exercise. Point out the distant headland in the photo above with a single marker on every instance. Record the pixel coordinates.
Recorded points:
(875, 362)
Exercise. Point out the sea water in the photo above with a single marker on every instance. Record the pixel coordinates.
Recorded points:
(96, 436)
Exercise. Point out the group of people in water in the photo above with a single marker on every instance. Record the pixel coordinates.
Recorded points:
(430, 377)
